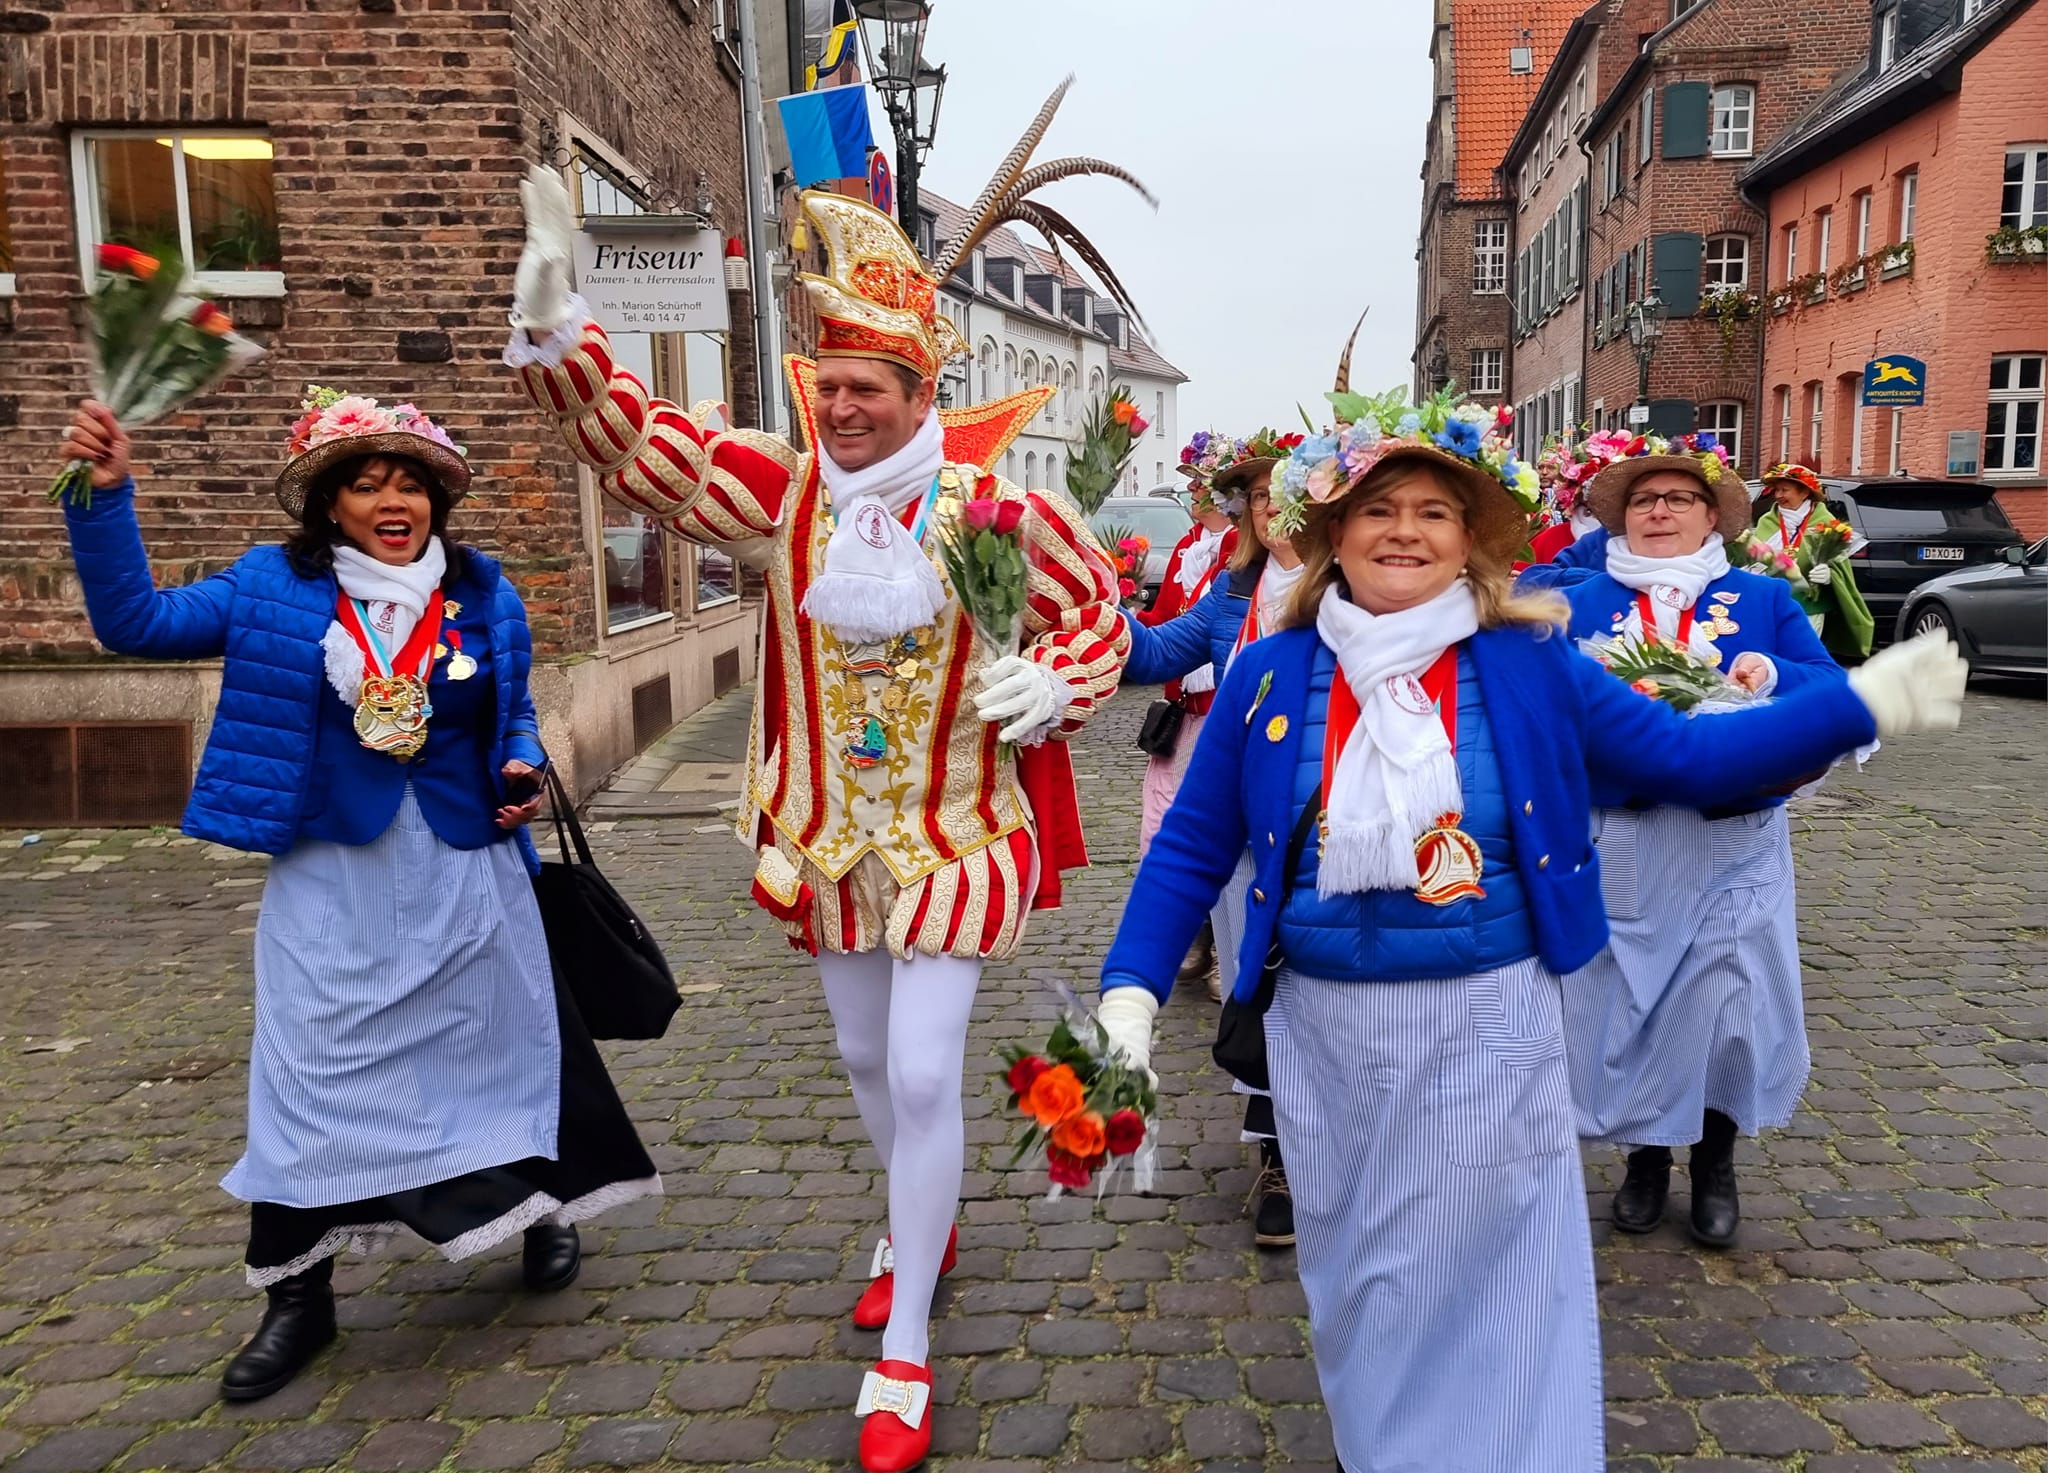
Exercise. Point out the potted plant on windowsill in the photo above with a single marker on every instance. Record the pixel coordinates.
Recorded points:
(1810, 288)
(1898, 261)
(1781, 301)
(2016, 243)
(1851, 277)
(1730, 307)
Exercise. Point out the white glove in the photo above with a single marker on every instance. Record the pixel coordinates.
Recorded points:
(1025, 697)
(1820, 575)
(1126, 1015)
(1915, 686)
(540, 289)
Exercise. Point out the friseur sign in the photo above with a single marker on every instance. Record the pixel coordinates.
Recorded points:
(1895, 382)
(642, 277)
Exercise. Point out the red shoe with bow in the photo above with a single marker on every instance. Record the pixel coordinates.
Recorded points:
(872, 1313)
(895, 1405)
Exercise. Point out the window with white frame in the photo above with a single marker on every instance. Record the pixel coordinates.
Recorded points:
(1486, 371)
(987, 359)
(1645, 124)
(1724, 261)
(1031, 481)
(2012, 421)
(1863, 224)
(1824, 239)
(2024, 200)
(1579, 95)
(1490, 257)
(1784, 423)
(1909, 200)
(1791, 253)
(1734, 121)
(206, 196)
(1723, 418)
(1888, 38)
(1816, 402)
(1070, 395)
(1896, 454)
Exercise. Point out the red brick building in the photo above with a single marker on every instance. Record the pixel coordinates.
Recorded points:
(1687, 103)
(345, 175)
(1488, 58)
(1909, 216)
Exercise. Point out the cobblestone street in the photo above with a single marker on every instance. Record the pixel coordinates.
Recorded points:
(1886, 1310)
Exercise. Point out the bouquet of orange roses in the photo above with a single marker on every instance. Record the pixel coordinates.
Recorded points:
(1090, 1111)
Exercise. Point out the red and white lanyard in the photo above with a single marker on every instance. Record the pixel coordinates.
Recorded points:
(414, 657)
(1439, 684)
(1648, 615)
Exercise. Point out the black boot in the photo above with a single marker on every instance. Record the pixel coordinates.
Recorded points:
(1272, 1203)
(1715, 1209)
(554, 1256)
(299, 1321)
(1639, 1204)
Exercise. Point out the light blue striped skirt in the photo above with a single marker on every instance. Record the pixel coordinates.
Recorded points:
(1441, 1216)
(405, 1019)
(1695, 1004)
(1227, 921)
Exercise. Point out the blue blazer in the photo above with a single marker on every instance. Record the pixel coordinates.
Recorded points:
(1557, 718)
(265, 622)
(1203, 635)
(1571, 567)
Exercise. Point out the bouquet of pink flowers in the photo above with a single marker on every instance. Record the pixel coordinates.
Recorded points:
(982, 542)
(1757, 556)
(1090, 1111)
(153, 348)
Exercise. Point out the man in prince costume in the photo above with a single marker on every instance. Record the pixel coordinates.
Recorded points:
(908, 793)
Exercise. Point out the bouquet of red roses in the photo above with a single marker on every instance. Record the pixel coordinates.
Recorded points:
(1090, 1111)
(981, 539)
(153, 348)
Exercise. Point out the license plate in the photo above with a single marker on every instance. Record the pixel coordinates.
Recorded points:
(1941, 554)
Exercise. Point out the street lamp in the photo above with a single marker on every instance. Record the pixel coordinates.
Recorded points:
(892, 43)
(1645, 330)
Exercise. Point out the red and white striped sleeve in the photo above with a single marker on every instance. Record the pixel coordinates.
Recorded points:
(1071, 623)
(716, 486)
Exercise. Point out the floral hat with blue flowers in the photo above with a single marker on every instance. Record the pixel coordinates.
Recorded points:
(1628, 459)
(1468, 440)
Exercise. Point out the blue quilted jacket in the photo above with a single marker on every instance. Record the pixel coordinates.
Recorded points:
(1556, 719)
(1203, 635)
(1582, 560)
(265, 622)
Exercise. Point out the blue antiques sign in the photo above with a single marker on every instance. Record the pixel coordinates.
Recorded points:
(1895, 382)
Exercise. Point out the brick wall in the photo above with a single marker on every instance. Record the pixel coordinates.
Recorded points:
(400, 129)
(1789, 54)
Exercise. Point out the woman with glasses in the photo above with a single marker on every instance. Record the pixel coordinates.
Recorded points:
(1690, 1026)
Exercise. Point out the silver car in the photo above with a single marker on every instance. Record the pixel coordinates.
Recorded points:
(1160, 520)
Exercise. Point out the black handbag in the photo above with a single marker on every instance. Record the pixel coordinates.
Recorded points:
(1161, 732)
(607, 959)
(1240, 1048)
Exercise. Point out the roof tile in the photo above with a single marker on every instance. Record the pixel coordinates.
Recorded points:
(1490, 101)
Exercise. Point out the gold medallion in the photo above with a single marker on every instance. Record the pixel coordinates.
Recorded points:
(1447, 863)
(391, 714)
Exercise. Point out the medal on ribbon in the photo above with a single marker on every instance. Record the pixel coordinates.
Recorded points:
(392, 708)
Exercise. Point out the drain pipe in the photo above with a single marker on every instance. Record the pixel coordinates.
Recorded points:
(762, 227)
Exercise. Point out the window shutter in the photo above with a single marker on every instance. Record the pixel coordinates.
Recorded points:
(1686, 108)
(1669, 417)
(1677, 257)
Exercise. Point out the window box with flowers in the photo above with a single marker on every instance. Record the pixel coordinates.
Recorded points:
(1809, 289)
(1781, 301)
(1897, 261)
(1850, 277)
(2016, 243)
(1730, 307)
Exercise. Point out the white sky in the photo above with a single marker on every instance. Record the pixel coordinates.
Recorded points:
(1284, 141)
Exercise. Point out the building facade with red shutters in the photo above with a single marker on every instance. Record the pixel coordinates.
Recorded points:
(1909, 219)
(1689, 102)
(345, 178)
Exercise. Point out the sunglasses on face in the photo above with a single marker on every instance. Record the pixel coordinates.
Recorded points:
(1678, 501)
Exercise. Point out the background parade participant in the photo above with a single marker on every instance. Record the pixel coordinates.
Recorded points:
(908, 793)
(1443, 731)
(1236, 612)
(415, 1065)
(1194, 564)
(1690, 1025)
(1800, 522)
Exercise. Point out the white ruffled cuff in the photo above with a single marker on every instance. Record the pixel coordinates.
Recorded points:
(1061, 692)
(521, 351)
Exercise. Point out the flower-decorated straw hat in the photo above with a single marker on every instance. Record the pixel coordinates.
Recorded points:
(1798, 475)
(334, 427)
(1204, 455)
(1467, 441)
(1627, 459)
(1250, 457)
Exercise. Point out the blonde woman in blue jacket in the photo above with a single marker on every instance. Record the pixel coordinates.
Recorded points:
(1409, 765)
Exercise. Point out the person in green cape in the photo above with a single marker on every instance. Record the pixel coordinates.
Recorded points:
(1820, 541)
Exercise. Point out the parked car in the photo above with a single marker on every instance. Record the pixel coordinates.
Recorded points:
(1158, 519)
(1997, 612)
(1912, 531)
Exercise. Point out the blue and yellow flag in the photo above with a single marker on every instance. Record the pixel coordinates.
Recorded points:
(844, 33)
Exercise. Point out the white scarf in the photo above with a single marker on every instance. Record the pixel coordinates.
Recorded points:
(1584, 523)
(1197, 558)
(1397, 774)
(1789, 523)
(877, 582)
(395, 596)
(1673, 584)
(1276, 586)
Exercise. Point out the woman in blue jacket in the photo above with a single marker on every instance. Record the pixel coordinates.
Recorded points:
(1244, 605)
(1439, 733)
(414, 1064)
(1689, 1026)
